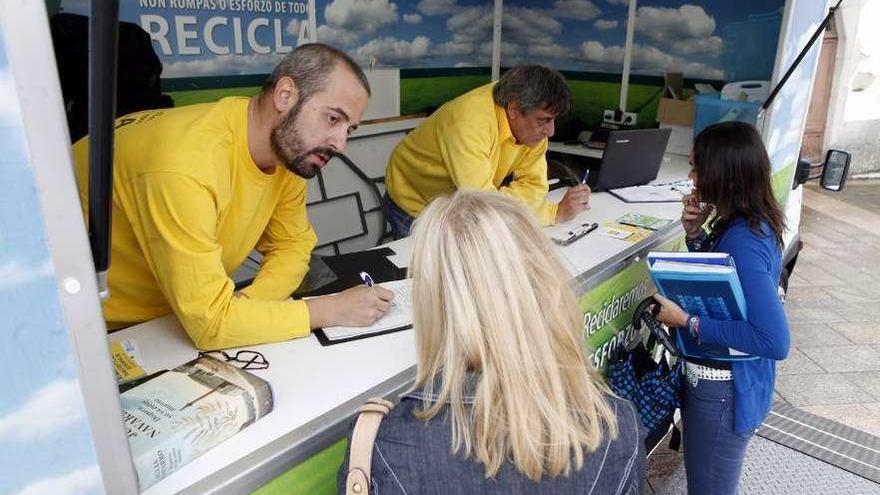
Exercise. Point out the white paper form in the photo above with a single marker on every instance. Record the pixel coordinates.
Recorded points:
(398, 315)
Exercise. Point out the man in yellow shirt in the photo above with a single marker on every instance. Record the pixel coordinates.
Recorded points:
(197, 188)
(476, 141)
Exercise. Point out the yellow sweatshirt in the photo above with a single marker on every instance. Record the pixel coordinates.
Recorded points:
(189, 204)
(467, 144)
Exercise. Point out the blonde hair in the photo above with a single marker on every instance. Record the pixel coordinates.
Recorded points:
(491, 297)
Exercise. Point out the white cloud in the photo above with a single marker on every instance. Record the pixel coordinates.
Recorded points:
(605, 24)
(363, 17)
(436, 7)
(663, 24)
(412, 18)
(392, 51)
(336, 37)
(703, 71)
(453, 48)
(48, 410)
(471, 25)
(582, 10)
(10, 116)
(85, 480)
(14, 274)
(708, 46)
(645, 59)
(529, 26)
(597, 53)
(229, 64)
(553, 51)
(292, 27)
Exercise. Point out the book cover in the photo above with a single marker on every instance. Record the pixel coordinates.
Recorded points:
(703, 284)
(179, 414)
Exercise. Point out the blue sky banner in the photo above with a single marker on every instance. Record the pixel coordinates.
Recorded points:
(708, 39)
(695, 38)
(46, 439)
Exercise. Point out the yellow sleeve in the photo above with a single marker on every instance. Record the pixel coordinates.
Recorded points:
(529, 184)
(176, 219)
(465, 149)
(285, 245)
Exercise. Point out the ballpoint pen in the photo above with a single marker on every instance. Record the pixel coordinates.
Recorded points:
(367, 279)
(585, 176)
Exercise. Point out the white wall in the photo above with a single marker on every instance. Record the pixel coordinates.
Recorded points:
(854, 109)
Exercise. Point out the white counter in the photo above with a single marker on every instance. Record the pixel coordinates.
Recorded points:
(318, 387)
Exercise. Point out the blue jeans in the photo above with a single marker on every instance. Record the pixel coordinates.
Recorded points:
(713, 453)
(400, 221)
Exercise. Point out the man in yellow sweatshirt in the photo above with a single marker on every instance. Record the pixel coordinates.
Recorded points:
(476, 141)
(197, 188)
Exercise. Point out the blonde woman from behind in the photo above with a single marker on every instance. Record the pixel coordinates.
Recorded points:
(504, 399)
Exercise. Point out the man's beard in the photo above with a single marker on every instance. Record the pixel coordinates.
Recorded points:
(289, 148)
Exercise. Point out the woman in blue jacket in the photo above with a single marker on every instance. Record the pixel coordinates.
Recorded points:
(724, 403)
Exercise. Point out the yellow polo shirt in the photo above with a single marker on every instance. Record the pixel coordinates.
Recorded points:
(467, 144)
(189, 204)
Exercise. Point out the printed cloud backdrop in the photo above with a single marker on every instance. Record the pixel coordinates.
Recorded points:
(43, 430)
(224, 38)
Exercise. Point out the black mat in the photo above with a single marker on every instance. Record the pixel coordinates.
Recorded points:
(829, 441)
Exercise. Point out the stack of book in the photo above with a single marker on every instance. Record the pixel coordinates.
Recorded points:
(702, 284)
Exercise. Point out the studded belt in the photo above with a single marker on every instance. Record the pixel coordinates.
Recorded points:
(696, 372)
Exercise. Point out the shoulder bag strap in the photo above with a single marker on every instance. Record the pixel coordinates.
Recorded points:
(363, 437)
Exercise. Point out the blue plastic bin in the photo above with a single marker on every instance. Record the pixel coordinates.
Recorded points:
(712, 109)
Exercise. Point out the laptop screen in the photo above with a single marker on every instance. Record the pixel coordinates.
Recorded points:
(631, 158)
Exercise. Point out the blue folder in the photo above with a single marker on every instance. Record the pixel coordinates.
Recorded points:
(703, 284)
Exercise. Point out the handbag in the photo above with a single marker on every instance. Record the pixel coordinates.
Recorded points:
(653, 387)
(358, 481)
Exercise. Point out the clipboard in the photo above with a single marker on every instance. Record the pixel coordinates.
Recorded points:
(398, 318)
(325, 341)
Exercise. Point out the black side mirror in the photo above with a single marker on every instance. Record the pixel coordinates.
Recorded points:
(835, 170)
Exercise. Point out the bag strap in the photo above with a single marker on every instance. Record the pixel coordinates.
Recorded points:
(357, 482)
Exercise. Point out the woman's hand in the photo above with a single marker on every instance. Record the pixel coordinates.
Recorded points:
(670, 313)
(694, 216)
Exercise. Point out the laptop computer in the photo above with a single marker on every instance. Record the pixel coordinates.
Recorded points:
(631, 158)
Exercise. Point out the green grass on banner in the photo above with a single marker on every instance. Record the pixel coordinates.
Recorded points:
(315, 476)
(417, 94)
(591, 98)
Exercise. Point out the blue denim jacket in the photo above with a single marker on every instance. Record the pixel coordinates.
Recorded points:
(412, 456)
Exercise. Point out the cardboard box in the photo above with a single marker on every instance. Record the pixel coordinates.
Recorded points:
(676, 112)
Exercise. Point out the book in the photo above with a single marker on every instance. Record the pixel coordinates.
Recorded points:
(179, 414)
(702, 284)
(644, 221)
(398, 317)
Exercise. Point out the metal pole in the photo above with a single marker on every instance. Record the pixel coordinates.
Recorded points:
(627, 54)
(496, 40)
(103, 36)
(313, 22)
